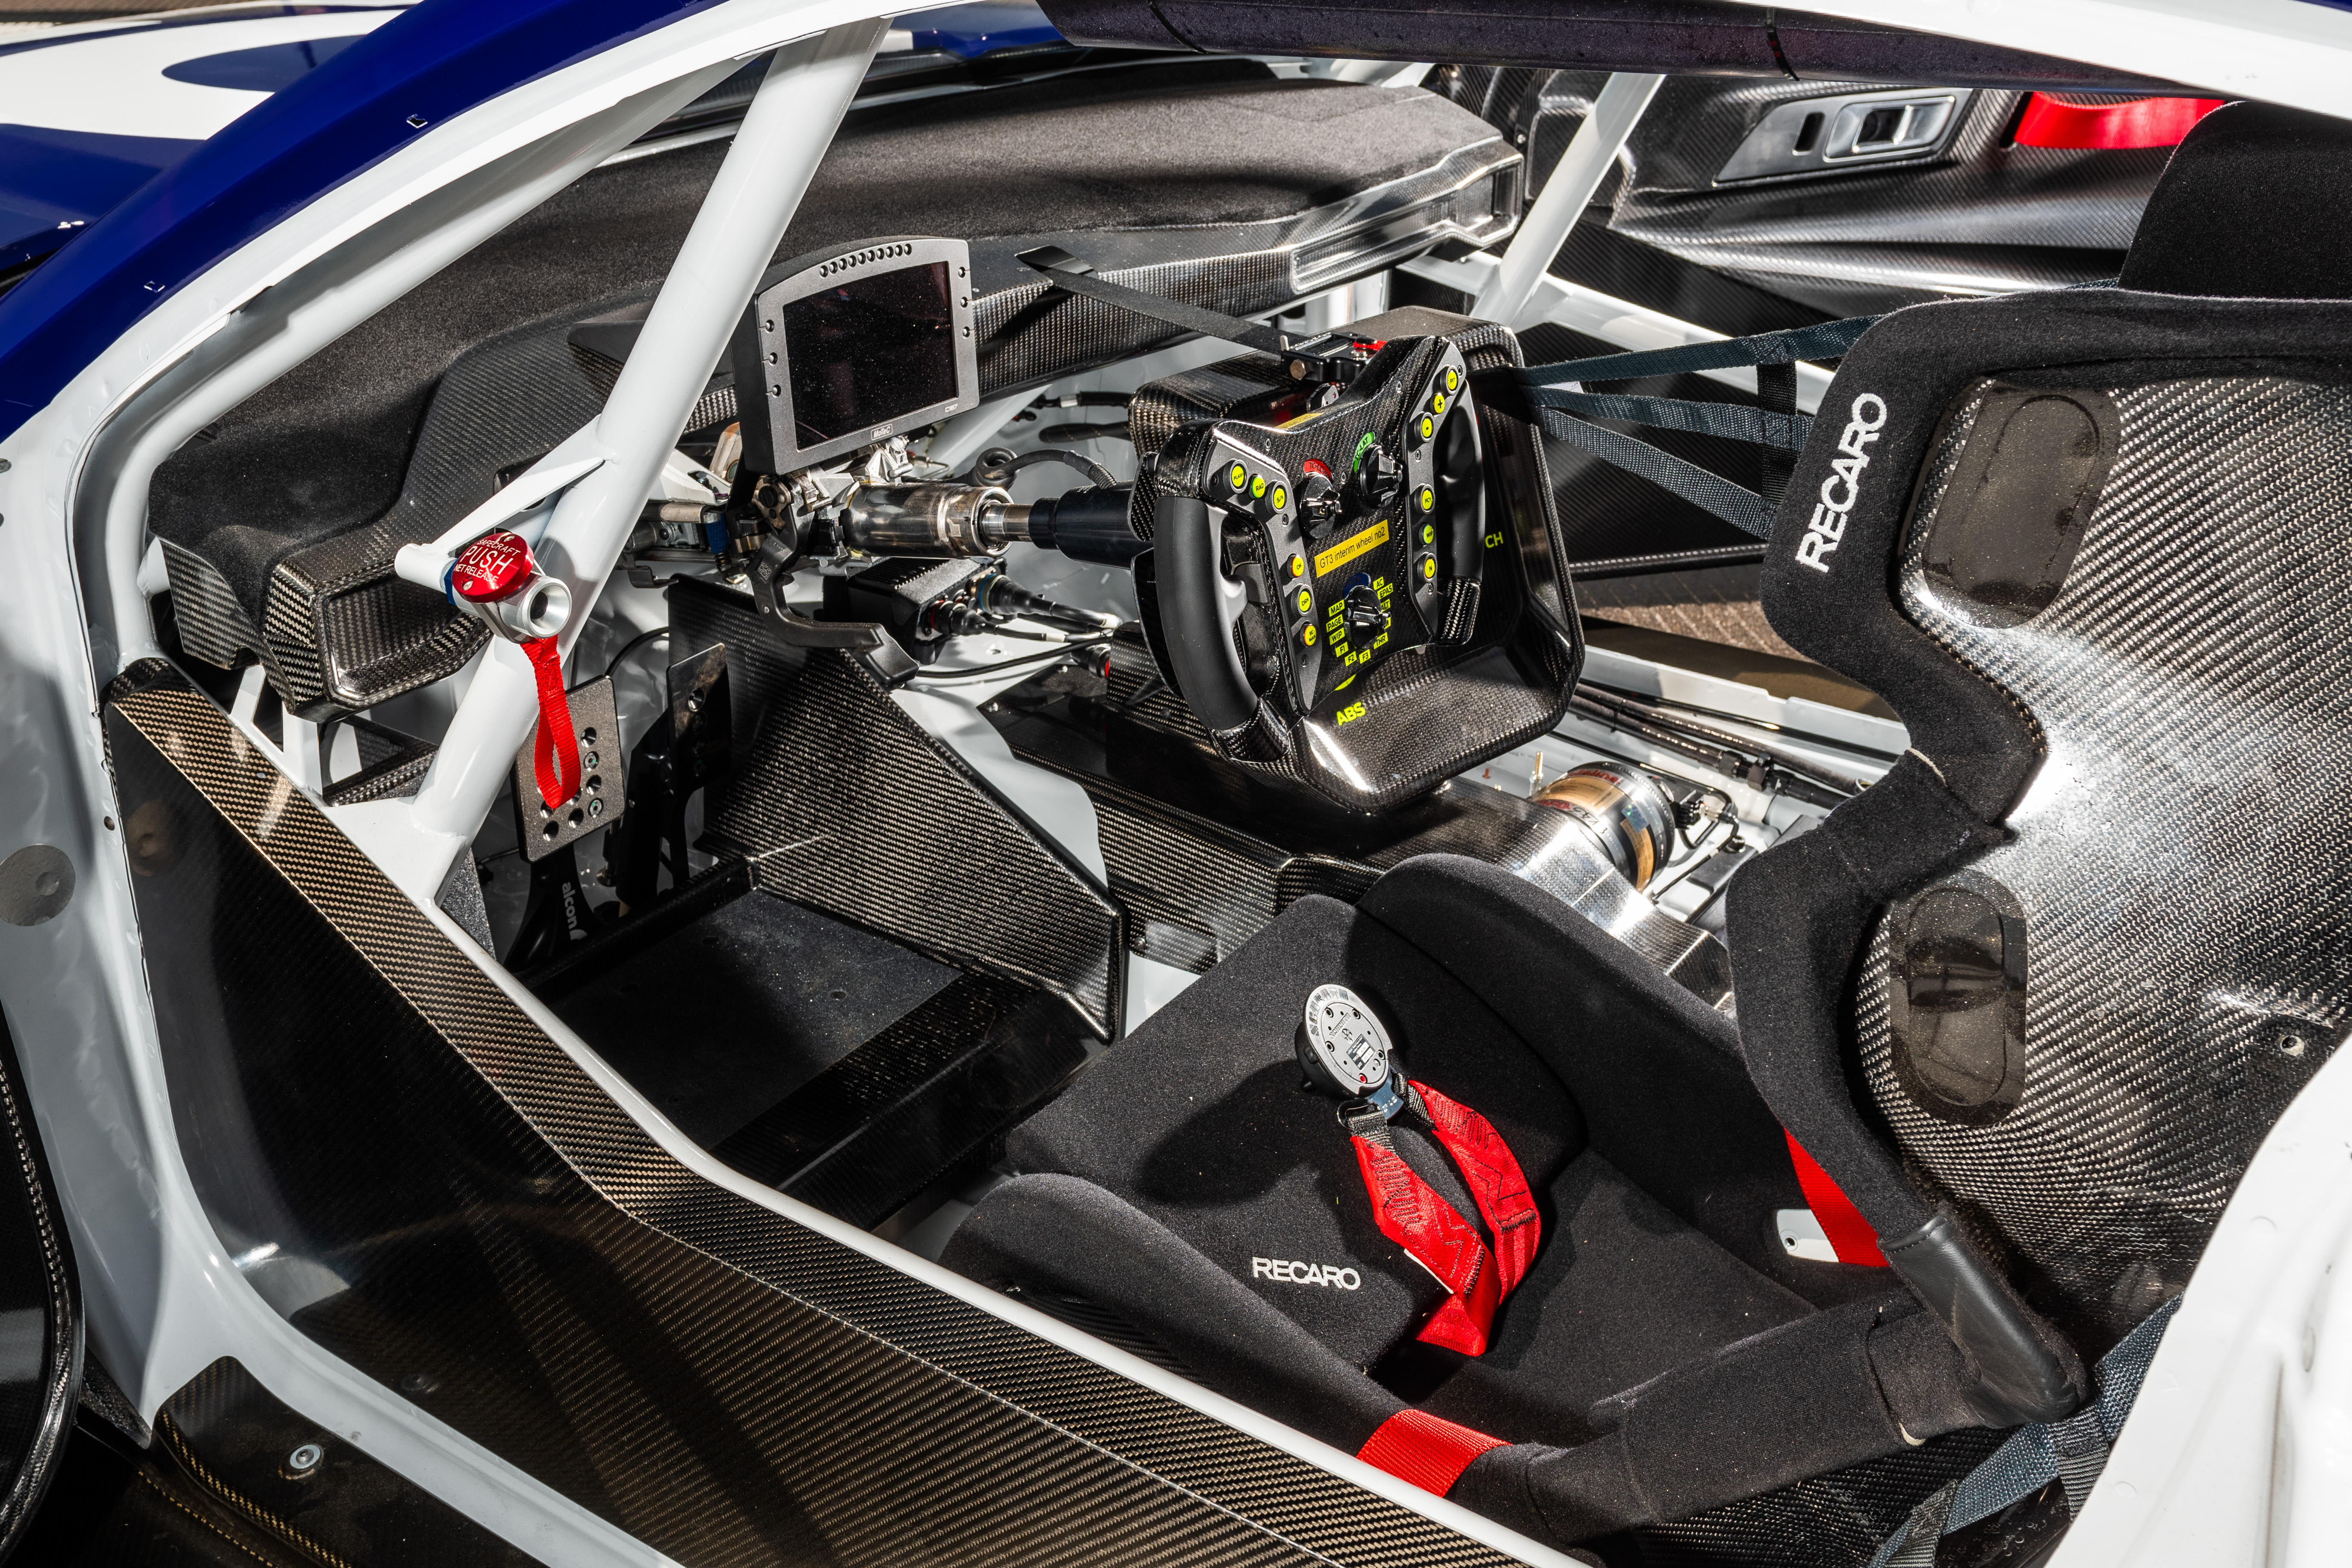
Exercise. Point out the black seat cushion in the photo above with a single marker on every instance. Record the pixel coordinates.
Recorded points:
(1200, 1120)
(1192, 1150)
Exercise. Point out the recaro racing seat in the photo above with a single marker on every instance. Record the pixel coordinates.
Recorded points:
(2030, 1000)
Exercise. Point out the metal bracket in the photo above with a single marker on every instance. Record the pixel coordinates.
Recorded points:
(600, 800)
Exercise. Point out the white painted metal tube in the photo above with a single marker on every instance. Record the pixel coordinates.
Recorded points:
(317, 304)
(427, 564)
(1545, 228)
(783, 137)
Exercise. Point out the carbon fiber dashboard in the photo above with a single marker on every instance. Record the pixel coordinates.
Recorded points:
(841, 802)
(1209, 183)
(491, 1235)
(2180, 861)
(1202, 854)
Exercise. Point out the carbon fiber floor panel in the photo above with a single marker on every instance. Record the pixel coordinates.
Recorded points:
(843, 802)
(499, 1241)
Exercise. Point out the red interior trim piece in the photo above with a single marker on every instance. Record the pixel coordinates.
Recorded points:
(1427, 1450)
(2133, 123)
(1850, 1234)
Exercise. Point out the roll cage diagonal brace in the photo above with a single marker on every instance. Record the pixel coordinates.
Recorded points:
(578, 533)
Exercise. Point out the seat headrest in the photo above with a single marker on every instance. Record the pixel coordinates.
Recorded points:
(2256, 203)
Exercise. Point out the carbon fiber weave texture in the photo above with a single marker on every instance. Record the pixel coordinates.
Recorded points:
(232, 1437)
(844, 803)
(1831, 1521)
(888, 1406)
(2181, 856)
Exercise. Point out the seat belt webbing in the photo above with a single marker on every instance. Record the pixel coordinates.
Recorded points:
(1410, 1212)
(1830, 340)
(1850, 1236)
(1427, 1450)
(2071, 1452)
(1772, 425)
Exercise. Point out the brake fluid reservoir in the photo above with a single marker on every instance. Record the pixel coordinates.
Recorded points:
(1623, 811)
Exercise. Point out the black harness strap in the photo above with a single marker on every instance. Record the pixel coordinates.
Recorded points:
(1830, 340)
(1076, 276)
(1776, 400)
(1782, 429)
(1702, 487)
(1772, 425)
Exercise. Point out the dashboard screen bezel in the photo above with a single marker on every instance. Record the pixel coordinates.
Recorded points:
(763, 353)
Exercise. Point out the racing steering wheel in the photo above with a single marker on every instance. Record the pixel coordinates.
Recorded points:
(1366, 599)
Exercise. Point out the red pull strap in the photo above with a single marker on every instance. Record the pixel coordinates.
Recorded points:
(555, 755)
(1850, 1234)
(1437, 1238)
(1432, 1235)
(1496, 1183)
(2133, 123)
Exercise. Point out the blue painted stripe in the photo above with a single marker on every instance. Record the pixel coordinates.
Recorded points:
(63, 39)
(982, 28)
(430, 63)
(54, 182)
(266, 67)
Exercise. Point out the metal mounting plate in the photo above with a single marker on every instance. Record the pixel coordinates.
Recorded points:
(601, 796)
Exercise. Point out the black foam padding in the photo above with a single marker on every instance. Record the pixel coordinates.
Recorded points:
(1201, 1118)
(2254, 204)
(1071, 1236)
(1806, 1397)
(326, 447)
(1798, 1400)
(1657, 1076)
(1622, 1291)
(1797, 914)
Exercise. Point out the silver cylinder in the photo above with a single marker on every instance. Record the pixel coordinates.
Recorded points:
(1628, 816)
(933, 520)
(540, 609)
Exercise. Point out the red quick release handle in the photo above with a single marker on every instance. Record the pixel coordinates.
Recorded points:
(496, 577)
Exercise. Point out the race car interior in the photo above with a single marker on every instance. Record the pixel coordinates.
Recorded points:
(1657, 897)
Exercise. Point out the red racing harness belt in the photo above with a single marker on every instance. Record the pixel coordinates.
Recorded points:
(1409, 1212)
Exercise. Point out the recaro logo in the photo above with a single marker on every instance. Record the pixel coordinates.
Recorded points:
(1291, 1272)
(1827, 529)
